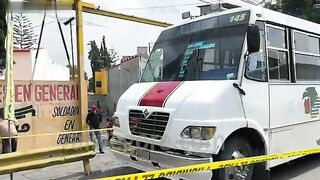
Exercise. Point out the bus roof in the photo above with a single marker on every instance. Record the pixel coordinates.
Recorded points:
(268, 16)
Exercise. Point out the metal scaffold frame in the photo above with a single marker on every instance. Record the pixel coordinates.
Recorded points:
(89, 8)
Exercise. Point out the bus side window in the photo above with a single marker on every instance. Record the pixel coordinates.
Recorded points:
(307, 56)
(277, 54)
(256, 64)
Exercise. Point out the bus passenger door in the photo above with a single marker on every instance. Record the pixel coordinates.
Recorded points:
(280, 82)
(256, 87)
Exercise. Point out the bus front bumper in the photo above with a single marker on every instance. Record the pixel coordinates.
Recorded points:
(148, 160)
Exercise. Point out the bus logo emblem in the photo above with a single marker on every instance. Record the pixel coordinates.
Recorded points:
(146, 113)
(311, 102)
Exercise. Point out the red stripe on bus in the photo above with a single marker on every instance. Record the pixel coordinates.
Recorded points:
(158, 94)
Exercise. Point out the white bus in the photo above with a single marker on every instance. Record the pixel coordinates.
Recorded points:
(238, 83)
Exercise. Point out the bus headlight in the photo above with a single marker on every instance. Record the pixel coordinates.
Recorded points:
(201, 133)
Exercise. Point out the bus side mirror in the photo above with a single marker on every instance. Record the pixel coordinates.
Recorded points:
(253, 39)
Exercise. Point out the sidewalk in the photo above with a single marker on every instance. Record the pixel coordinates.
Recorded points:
(102, 165)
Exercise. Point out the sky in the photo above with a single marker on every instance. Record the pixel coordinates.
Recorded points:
(123, 36)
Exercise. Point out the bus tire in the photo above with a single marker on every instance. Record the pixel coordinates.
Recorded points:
(234, 148)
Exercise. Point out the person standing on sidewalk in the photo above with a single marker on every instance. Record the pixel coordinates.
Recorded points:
(94, 120)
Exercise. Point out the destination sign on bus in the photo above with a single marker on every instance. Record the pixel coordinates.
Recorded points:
(214, 22)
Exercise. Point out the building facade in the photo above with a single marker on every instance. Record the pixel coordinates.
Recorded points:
(120, 78)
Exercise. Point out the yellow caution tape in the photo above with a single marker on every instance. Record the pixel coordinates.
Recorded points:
(211, 166)
(56, 133)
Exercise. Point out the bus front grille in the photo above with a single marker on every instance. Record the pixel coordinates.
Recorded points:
(148, 125)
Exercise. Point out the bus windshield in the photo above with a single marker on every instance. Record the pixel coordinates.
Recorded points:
(210, 54)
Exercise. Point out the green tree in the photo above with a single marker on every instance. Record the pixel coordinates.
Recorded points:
(94, 57)
(272, 6)
(3, 34)
(23, 35)
(104, 53)
(304, 9)
(100, 58)
(91, 87)
(299, 8)
(95, 62)
(114, 56)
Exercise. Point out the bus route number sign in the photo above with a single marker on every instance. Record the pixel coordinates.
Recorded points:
(238, 18)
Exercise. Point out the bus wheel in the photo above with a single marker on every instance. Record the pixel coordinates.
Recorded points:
(235, 148)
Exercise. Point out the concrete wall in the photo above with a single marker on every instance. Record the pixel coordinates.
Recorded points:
(22, 67)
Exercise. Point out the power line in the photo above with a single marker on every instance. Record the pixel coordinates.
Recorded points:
(155, 7)
(121, 9)
(94, 24)
(36, 26)
(64, 18)
(84, 21)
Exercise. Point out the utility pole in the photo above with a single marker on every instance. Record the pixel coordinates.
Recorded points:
(69, 21)
(81, 80)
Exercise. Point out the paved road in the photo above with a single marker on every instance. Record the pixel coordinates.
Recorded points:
(306, 168)
(104, 165)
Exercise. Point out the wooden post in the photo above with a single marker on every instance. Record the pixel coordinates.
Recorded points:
(81, 79)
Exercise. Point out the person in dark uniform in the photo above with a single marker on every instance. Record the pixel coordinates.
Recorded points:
(94, 120)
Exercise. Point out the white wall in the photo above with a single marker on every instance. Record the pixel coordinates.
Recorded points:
(45, 70)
